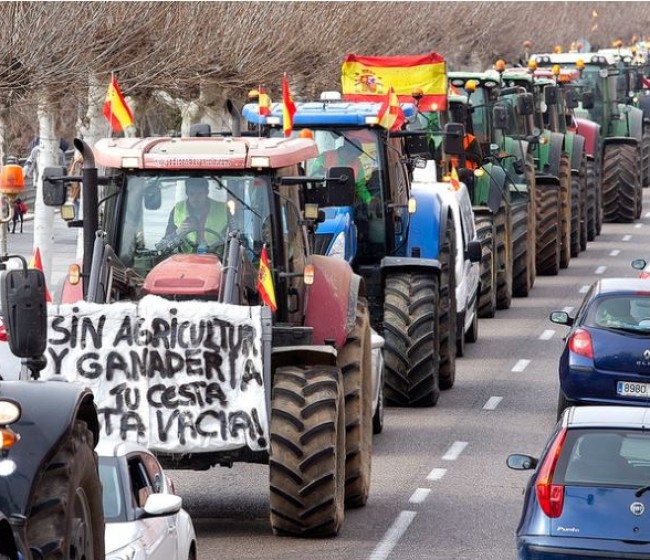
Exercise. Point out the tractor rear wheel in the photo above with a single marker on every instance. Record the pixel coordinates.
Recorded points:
(411, 339)
(487, 305)
(645, 155)
(521, 275)
(448, 308)
(576, 215)
(355, 362)
(566, 209)
(307, 458)
(582, 204)
(592, 199)
(621, 175)
(503, 258)
(66, 518)
(548, 230)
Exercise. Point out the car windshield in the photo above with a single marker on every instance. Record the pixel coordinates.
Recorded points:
(605, 457)
(621, 312)
(113, 494)
(156, 206)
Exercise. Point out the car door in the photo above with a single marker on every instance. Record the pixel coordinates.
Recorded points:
(156, 539)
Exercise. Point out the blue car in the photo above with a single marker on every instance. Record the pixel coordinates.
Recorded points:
(606, 356)
(589, 494)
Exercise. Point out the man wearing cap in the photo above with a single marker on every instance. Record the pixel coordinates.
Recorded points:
(199, 221)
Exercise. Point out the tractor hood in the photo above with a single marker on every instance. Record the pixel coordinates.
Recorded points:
(185, 276)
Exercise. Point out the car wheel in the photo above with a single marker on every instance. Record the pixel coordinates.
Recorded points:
(563, 403)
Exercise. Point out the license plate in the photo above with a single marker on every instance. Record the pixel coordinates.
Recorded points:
(629, 389)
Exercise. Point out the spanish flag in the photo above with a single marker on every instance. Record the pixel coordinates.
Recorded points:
(365, 78)
(37, 263)
(265, 281)
(264, 102)
(454, 180)
(390, 113)
(116, 111)
(288, 108)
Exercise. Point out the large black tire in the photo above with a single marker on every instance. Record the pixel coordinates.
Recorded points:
(576, 215)
(583, 204)
(485, 232)
(448, 307)
(411, 339)
(645, 156)
(521, 275)
(66, 518)
(307, 458)
(621, 183)
(355, 362)
(591, 174)
(548, 230)
(566, 209)
(504, 258)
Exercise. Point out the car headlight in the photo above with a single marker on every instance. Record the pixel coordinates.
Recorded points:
(338, 247)
(126, 553)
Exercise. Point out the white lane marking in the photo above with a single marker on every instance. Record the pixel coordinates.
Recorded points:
(520, 366)
(393, 535)
(639, 225)
(436, 474)
(584, 289)
(547, 334)
(647, 215)
(492, 403)
(568, 309)
(419, 495)
(600, 270)
(454, 451)
(626, 237)
(615, 253)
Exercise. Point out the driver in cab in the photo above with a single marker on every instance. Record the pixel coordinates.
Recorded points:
(198, 222)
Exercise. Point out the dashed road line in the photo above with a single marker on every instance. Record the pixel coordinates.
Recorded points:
(584, 289)
(615, 253)
(492, 403)
(626, 237)
(454, 451)
(639, 225)
(419, 495)
(436, 474)
(647, 215)
(547, 334)
(393, 535)
(600, 270)
(520, 366)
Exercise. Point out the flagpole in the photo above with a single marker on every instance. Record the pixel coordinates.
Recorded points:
(110, 120)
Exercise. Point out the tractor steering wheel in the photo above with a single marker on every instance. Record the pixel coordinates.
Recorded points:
(221, 240)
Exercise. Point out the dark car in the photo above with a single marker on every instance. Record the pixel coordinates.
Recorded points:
(589, 495)
(606, 357)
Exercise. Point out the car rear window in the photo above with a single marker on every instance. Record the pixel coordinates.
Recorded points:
(604, 457)
(629, 311)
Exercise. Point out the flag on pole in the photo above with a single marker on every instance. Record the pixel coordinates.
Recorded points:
(454, 180)
(288, 108)
(390, 113)
(264, 102)
(117, 112)
(265, 281)
(645, 82)
(37, 263)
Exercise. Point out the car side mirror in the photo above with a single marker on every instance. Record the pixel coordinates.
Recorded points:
(638, 264)
(54, 187)
(520, 462)
(561, 318)
(152, 197)
(158, 505)
(452, 140)
(24, 311)
(474, 251)
(588, 100)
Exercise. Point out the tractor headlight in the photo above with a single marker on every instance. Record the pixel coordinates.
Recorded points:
(337, 249)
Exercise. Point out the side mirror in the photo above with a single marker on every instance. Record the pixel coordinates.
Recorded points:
(571, 98)
(474, 251)
(417, 145)
(452, 141)
(499, 117)
(519, 462)
(336, 190)
(152, 197)
(638, 264)
(24, 311)
(550, 95)
(54, 187)
(526, 104)
(158, 505)
(588, 100)
(561, 318)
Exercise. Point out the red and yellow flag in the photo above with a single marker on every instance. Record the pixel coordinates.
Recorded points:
(265, 281)
(288, 108)
(117, 112)
(364, 78)
(264, 102)
(37, 263)
(390, 113)
(454, 180)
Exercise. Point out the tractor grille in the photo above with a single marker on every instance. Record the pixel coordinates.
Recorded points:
(322, 242)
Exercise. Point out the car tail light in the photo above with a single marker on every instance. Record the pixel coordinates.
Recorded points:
(580, 343)
(551, 496)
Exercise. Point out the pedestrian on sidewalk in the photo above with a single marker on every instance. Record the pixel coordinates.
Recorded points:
(20, 209)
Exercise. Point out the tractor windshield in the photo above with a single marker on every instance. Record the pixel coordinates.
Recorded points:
(160, 213)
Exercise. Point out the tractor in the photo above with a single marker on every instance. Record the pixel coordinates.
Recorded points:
(266, 355)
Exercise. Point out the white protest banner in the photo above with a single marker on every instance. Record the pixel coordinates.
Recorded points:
(178, 377)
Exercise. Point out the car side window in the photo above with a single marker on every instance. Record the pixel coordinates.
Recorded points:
(141, 485)
(155, 472)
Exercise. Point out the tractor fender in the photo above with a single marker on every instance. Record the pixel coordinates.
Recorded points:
(388, 264)
(620, 140)
(577, 152)
(556, 144)
(331, 301)
(590, 131)
(324, 355)
(41, 428)
(630, 124)
(542, 181)
(424, 225)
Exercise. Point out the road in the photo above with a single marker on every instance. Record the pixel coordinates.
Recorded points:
(440, 487)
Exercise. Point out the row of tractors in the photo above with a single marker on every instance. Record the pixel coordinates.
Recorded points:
(535, 159)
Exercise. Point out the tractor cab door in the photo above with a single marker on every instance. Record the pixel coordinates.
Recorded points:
(398, 194)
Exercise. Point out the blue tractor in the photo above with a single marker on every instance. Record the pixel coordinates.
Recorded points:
(404, 237)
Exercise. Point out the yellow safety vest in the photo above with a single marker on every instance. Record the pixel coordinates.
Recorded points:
(216, 220)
